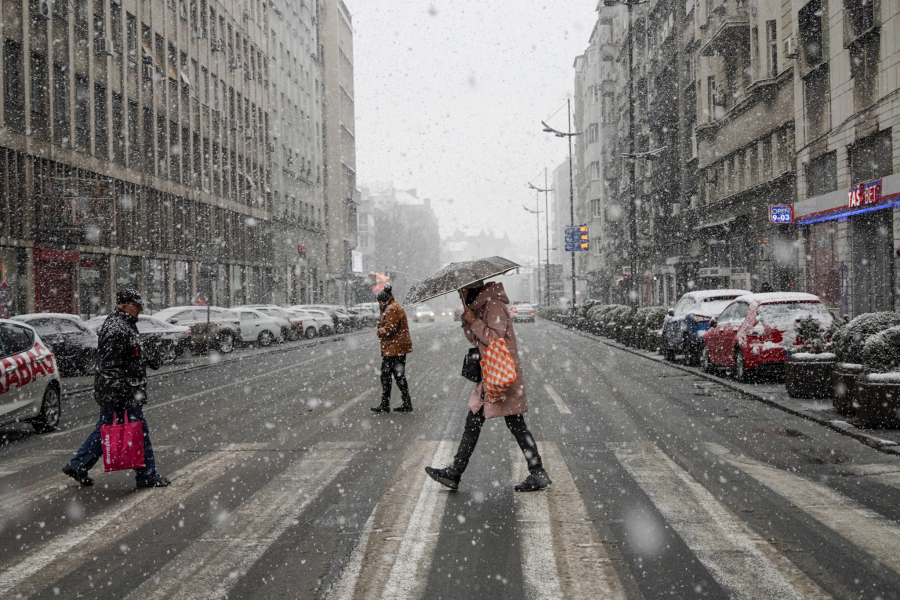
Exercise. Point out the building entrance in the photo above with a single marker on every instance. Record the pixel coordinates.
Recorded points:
(873, 262)
(54, 281)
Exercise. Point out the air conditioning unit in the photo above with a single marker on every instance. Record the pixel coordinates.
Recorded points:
(217, 46)
(719, 97)
(148, 71)
(695, 201)
(251, 134)
(270, 147)
(235, 124)
(246, 14)
(103, 46)
(790, 47)
(233, 64)
(45, 10)
(247, 74)
(196, 34)
(676, 209)
(215, 114)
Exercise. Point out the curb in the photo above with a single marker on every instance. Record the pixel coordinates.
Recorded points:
(842, 427)
(279, 350)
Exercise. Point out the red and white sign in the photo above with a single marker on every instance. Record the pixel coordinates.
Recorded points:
(865, 193)
(301, 249)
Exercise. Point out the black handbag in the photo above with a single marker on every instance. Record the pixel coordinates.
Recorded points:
(471, 368)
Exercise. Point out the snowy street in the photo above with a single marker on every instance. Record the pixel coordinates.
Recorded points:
(286, 486)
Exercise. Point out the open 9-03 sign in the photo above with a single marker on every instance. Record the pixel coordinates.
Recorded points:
(781, 214)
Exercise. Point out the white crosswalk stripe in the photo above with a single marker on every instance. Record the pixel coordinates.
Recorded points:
(746, 566)
(557, 399)
(393, 556)
(870, 531)
(562, 555)
(214, 564)
(62, 554)
(13, 466)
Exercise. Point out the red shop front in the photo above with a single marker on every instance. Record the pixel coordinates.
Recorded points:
(55, 280)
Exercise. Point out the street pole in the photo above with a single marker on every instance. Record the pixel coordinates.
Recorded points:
(537, 219)
(572, 192)
(547, 226)
(633, 225)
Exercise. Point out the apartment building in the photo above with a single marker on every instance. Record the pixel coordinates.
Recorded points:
(130, 133)
(339, 144)
(846, 59)
(296, 151)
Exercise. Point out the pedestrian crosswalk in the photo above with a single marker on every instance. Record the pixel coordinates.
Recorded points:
(559, 550)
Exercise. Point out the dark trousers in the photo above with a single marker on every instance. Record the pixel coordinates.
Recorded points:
(92, 448)
(516, 425)
(394, 366)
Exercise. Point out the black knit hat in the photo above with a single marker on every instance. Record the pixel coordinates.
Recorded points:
(385, 294)
(126, 296)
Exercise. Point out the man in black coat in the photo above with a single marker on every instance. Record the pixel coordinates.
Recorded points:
(120, 385)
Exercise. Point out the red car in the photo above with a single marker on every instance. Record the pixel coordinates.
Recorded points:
(758, 330)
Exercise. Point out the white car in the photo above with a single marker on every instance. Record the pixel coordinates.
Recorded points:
(324, 321)
(257, 327)
(423, 313)
(29, 388)
(313, 322)
(521, 312)
(281, 317)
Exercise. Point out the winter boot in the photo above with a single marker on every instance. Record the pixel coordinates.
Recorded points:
(79, 476)
(449, 476)
(384, 407)
(536, 480)
(406, 406)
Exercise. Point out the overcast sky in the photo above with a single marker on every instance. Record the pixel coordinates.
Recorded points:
(450, 96)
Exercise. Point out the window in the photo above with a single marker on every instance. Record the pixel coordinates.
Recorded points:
(712, 98)
(131, 37)
(810, 25)
(118, 125)
(134, 147)
(82, 112)
(817, 91)
(821, 175)
(772, 47)
(39, 97)
(13, 90)
(870, 158)
(859, 18)
(593, 133)
(596, 207)
(61, 103)
(14, 339)
(148, 139)
(115, 23)
(595, 170)
(864, 54)
(717, 254)
(101, 129)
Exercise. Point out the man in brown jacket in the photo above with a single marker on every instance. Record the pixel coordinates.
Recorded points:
(393, 331)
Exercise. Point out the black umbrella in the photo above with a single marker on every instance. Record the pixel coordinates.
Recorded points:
(457, 275)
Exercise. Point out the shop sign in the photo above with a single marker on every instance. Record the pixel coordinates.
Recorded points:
(90, 274)
(865, 193)
(626, 271)
(781, 214)
(577, 239)
(356, 259)
(715, 272)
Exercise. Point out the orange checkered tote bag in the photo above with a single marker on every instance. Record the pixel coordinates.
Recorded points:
(498, 370)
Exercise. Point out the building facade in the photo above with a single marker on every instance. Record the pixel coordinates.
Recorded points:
(339, 142)
(739, 106)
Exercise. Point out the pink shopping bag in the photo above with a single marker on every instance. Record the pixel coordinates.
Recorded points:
(123, 445)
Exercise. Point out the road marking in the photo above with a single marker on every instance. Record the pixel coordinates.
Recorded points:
(61, 555)
(870, 531)
(536, 366)
(885, 474)
(563, 409)
(212, 565)
(562, 555)
(393, 556)
(743, 563)
(340, 410)
(13, 466)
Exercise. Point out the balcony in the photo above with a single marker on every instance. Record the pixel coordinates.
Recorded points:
(727, 19)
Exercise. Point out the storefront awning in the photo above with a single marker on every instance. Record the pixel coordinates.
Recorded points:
(716, 224)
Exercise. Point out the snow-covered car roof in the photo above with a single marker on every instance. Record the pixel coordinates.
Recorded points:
(704, 294)
(31, 316)
(770, 297)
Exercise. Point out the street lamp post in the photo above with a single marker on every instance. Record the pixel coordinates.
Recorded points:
(547, 226)
(570, 135)
(537, 215)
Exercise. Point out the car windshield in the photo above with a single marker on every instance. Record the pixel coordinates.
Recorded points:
(713, 307)
(785, 314)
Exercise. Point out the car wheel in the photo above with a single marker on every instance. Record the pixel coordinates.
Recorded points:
(325, 330)
(740, 367)
(705, 363)
(168, 355)
(225, 342)
(265, 338)
(310, 333)
(50, 411)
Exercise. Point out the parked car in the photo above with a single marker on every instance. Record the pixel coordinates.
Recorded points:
(521, 312)
(258, 327)
(288, 331)
(211, 326)
(324, 318)
(365, 315)
(72, 342)
(340, 319)
(30, 390)
(313, 322)
(686, 324)
(166, 340)
(423, 313)
(759, 330)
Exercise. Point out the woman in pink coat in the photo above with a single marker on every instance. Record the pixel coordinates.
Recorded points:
(486, 314)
